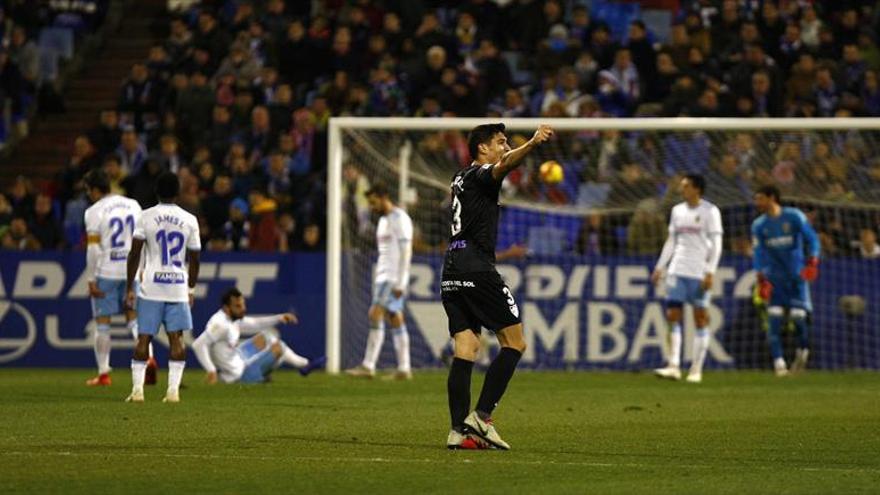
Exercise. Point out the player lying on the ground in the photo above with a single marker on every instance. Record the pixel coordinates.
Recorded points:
(252, 361)
(691, 252)
(109, 227)
(779, 237)
(394, 235)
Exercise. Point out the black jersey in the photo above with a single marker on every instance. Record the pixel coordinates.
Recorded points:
(474, 226)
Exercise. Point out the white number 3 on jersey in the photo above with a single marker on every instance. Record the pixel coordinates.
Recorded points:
(456, 216)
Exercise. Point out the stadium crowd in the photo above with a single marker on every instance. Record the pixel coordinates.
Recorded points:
(237, 98)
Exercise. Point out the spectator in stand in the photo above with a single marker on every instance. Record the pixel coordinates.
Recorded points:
(853, 69)
(237, 228)
(215, 205)
(557, 50)
(139, 98)
(24, 53)
(802, 81)
(870, 94)
(168, 155)
(790, 47)
(602, 46)
(240, 64)
(179, 42)
(642, 52)
(810, 25)
(313, 241)
(132, 152)
(727, 185)
(647, 229)
(44, 225)
(867, 245)
(495, 76)
(5, 214)
(194, 105)
(764, 97)
(115, 174)
(18, 238)
(82, 161)
(106, 136)
(264, 232)
(211, 36)
(596, 237)
(826, 92)
(624, 70)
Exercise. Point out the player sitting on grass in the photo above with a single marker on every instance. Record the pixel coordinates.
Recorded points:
(691, 252)
(780, 236)
(253, 360)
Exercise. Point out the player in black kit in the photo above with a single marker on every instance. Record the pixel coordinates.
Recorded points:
(474, 296)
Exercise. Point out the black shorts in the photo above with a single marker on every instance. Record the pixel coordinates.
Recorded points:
(476, 300)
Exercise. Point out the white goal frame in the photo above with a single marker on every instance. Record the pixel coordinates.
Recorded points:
(335, 163)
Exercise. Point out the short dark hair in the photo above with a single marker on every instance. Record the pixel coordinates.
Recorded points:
(378, 189)
(481, 134)
(770, 191)
(97, 179)
(697, 181)
(167, 186)
(230, 294)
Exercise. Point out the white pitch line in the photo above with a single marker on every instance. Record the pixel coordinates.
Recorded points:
(383, 460)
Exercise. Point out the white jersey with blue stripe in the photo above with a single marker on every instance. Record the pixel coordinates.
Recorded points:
(113, 219)
(168, 231)
(692, 230)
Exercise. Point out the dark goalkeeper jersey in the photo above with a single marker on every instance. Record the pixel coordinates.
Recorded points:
(474, 226)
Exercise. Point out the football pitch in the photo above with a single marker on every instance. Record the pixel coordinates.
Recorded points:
(738, 432)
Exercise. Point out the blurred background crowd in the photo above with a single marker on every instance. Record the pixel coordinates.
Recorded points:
(235, 95)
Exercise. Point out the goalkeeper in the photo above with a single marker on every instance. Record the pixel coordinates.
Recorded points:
(781, 235)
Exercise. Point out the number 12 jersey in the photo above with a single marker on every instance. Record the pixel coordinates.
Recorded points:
(168, 231)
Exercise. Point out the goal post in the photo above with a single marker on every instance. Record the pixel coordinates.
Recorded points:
(417, 157)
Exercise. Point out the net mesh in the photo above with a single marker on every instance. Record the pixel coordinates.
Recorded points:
(578, 253)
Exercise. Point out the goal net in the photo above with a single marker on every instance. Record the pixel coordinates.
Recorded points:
(578, 253)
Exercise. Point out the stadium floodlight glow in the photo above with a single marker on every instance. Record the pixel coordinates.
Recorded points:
(418, 156)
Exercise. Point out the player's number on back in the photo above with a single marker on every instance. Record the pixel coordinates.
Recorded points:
(171, 243)
(456, 215)
(117, 226)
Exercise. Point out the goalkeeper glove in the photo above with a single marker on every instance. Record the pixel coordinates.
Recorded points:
(765, 287)
(811, 270)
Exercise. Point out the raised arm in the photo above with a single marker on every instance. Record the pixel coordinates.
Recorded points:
(511, 159)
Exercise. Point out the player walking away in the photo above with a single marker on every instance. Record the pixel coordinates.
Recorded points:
(253, 360)
(689, 259)
(165, 294)
(473, 294)
(780, 236)
(109, 224)
(394, 235)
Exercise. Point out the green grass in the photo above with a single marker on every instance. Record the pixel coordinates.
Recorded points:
(570, 432)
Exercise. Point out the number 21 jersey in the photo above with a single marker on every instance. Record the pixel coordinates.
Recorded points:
(168, 232)
(474, 221)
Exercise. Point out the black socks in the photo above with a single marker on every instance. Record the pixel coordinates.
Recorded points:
(458, 387)
(499, 375)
